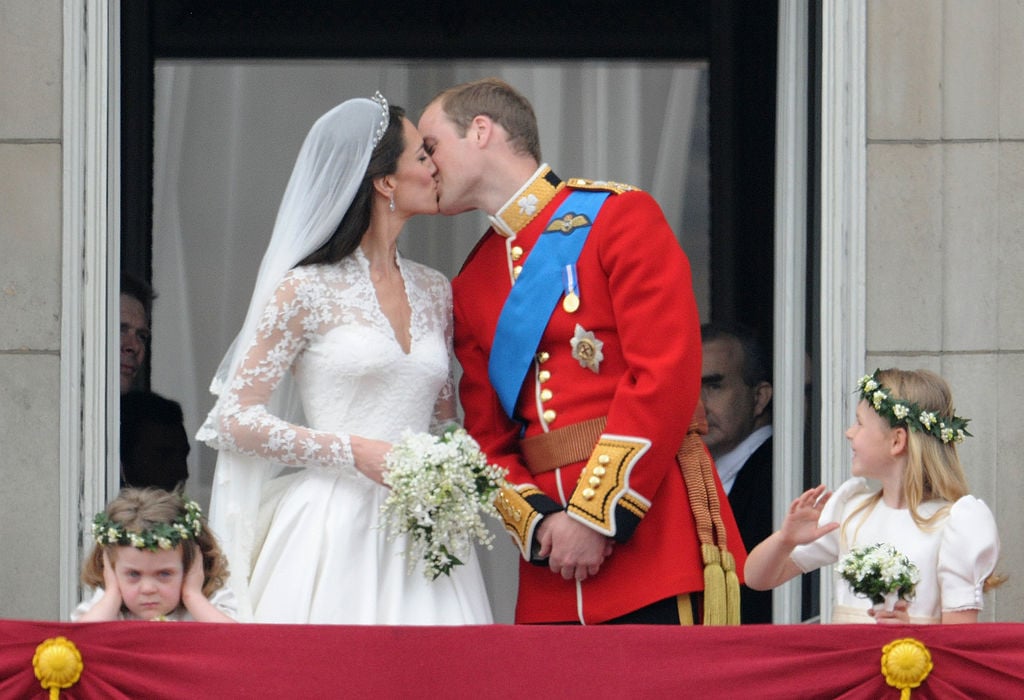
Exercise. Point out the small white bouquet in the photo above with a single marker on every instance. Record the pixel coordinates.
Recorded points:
(879, 572)
(440, 486)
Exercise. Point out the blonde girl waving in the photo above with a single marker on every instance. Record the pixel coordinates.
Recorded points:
(905, 439)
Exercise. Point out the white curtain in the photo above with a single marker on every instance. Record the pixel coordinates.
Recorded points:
(226, 135)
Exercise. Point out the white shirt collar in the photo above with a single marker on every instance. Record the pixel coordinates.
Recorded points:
(730, 464)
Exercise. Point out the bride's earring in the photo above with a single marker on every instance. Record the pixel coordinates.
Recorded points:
(391, 204)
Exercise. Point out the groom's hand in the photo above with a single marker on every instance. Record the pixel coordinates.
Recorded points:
(573, 550)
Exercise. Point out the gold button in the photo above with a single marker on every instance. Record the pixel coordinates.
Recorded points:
(543, 356)
(588, 493)
(543, 376)
(594, 481)
(549, 416)
(517, 253)
(599, 471)
(516, 271)
(604, 459)
(545, 395)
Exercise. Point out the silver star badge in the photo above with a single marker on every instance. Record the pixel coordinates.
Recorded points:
(586, 348)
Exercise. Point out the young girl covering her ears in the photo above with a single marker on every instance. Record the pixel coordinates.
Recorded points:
(155, 559)
(905, 437)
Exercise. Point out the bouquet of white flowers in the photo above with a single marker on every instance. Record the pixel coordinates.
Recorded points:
(440, 486)
(879, 572)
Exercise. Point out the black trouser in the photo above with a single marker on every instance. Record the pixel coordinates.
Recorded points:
(662, 612)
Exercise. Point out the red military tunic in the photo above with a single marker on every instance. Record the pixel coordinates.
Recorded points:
(637, 309)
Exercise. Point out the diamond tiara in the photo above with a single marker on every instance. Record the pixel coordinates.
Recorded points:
(385, 117)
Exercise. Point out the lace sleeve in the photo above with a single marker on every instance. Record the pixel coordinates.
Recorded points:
(245, 424)
(445, 413)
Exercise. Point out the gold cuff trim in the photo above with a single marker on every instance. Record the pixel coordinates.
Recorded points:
(518, 515)
(605, 482)
(634, 505)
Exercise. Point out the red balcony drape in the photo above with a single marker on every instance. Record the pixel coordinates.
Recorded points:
(194, 660)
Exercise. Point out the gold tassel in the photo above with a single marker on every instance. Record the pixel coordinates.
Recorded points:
(732, 588)
(715, 610)
(721, 582)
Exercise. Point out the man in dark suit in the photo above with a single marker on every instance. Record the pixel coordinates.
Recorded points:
(154, 444)
(737, 392)
(136, 310)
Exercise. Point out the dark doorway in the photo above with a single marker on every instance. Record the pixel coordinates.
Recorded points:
(738, 39)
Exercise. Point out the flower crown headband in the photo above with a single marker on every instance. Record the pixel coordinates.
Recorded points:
(947, 429)
(187, 526)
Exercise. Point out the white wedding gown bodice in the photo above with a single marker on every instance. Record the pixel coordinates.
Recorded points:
(322, 556)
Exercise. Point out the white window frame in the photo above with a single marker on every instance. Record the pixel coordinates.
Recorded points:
(91, 259)
(90, 268)
(842, 245)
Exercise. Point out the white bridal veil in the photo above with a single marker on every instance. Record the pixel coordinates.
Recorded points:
(327, 173)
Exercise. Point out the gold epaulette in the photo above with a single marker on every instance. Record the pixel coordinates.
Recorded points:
(581, 183)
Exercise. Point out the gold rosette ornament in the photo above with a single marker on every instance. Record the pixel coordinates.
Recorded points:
(57, 664)
(905, 664)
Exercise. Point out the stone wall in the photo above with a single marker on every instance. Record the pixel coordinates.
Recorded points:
(30, 306)
(945, 181)
(945, 200)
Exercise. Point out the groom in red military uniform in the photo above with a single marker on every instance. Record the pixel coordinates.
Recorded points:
(579, 339)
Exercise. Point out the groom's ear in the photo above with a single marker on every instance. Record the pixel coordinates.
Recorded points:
(481, 130)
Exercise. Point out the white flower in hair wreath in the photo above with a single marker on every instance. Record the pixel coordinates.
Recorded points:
(947, 429)
(187, 526)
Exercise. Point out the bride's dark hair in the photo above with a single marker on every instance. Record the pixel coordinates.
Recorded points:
(355, 222)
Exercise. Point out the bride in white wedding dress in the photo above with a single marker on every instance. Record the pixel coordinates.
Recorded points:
(356, 340)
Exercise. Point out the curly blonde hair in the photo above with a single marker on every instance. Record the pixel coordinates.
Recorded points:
(138, 509)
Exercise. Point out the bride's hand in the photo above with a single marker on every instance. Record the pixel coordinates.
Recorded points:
(369, 457)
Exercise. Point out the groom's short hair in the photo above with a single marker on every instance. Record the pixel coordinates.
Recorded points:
(501, 102)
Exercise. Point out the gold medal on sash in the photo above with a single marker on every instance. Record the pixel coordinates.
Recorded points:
(571, 299)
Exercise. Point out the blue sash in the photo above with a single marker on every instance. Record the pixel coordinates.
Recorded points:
(535, 293)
